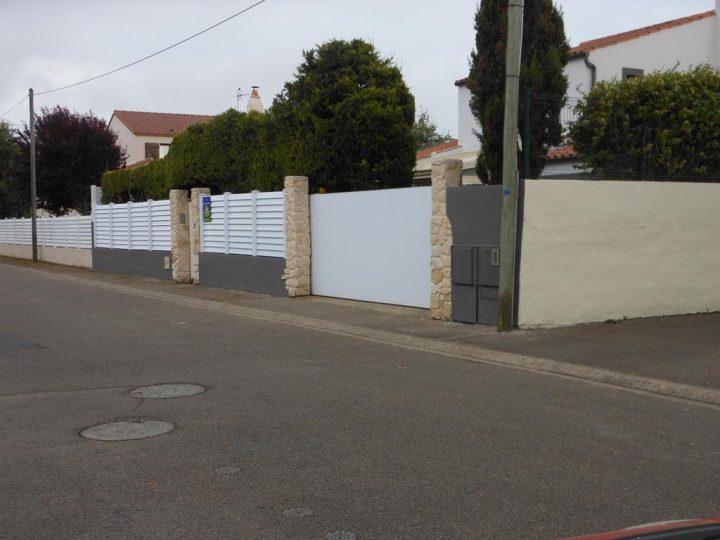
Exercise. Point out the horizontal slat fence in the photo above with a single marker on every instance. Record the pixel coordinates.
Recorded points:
(65, 231)
(139, 226)
(245, 224)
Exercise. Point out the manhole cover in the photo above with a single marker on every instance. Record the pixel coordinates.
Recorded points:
(126, 430)
(297, 512)
(167, 391)
(340, 535)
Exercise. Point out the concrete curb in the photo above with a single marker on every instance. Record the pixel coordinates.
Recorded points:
(614, 379)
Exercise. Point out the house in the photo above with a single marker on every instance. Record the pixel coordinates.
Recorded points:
(680, 43)
(147, 135)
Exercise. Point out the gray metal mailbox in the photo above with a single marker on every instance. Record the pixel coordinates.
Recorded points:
(475, 279)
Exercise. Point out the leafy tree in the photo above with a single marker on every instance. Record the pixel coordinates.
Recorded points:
(544, 55)
(72, 152)
(14, 195)
(234, 152)
(664, 125)
(426, 132)
(347, 118)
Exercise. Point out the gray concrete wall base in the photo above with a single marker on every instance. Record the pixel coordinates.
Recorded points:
(243, 272)
(139, 263)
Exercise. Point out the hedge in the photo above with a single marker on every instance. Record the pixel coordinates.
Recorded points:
(662, 126)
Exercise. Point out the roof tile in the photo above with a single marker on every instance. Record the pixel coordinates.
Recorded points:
(444, 147)
(591, 45)
(159, 124)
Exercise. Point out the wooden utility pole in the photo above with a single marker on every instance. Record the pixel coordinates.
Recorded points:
(508, 231)
(33, 189)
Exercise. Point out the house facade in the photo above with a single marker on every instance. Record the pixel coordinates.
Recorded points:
(680, 43)
(147, 135)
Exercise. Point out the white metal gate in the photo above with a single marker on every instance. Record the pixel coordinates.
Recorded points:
(243, 224)
(372, 245)
(140, 226)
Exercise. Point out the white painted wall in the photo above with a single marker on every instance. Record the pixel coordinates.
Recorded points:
(66, 256)
(685, 46)
(133, 144)
(593, 251)
(372, 245)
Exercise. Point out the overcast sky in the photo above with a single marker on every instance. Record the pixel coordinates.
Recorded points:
(431, 41)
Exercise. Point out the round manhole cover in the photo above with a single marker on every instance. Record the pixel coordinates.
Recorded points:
(297, 512)
(341, 535)
(126, 430)
(167, 391)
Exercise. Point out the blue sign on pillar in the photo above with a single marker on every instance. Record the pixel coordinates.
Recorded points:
(207, 208)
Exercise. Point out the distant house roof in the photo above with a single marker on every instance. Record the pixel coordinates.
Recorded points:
(561, 152)
(159, 124)
(444, 147)
(591, 45)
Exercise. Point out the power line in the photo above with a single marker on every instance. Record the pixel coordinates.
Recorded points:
(11, 109)
(150, 55)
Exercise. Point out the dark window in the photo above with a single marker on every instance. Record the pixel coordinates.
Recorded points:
(631, 73)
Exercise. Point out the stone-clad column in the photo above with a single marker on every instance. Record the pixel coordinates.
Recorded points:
(445, 173)
(195, 203)
(297, 236)
(179, 235)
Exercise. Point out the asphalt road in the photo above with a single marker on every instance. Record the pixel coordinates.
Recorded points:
(373, 440)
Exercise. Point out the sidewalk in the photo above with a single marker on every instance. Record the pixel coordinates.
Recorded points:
(675, 356)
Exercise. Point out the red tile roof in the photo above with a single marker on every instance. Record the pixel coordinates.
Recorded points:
(561, 152)
(444, 147)
(591, 45)
(159, 124)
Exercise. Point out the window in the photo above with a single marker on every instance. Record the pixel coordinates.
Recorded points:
(631, 73)
(156, 150)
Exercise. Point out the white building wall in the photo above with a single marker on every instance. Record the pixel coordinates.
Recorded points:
(685, 46)
(133, 144)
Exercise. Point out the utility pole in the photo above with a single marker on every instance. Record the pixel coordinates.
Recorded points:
(508, 231)
(33, 192)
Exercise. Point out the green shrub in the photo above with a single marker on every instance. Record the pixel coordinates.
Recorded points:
(662, 126)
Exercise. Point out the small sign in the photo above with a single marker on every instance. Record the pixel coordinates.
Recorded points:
(207, 209)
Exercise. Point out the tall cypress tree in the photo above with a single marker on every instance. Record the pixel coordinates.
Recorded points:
(544, 55)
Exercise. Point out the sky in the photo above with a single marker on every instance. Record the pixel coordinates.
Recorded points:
(431, 42)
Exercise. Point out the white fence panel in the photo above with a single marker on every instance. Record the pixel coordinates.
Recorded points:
(138, 226)
(65, 231)
(245, 224)
(372, 245)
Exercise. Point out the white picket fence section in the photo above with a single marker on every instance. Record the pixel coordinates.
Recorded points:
(140, 226)
(244, 224)
(64, 232)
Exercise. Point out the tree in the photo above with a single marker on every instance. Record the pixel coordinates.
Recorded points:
(347, 118)
(14, 196)
(664, 125)
(544, 55)
(73, 150)
(426, 133)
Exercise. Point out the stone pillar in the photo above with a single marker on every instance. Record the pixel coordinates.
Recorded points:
(196, 195)
(180, 235)
(445, 173)
(297, 236)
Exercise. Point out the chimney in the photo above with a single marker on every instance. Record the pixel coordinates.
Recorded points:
(255, 103)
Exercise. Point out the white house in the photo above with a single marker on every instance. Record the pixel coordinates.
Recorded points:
(147, 135)
(682, 43)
